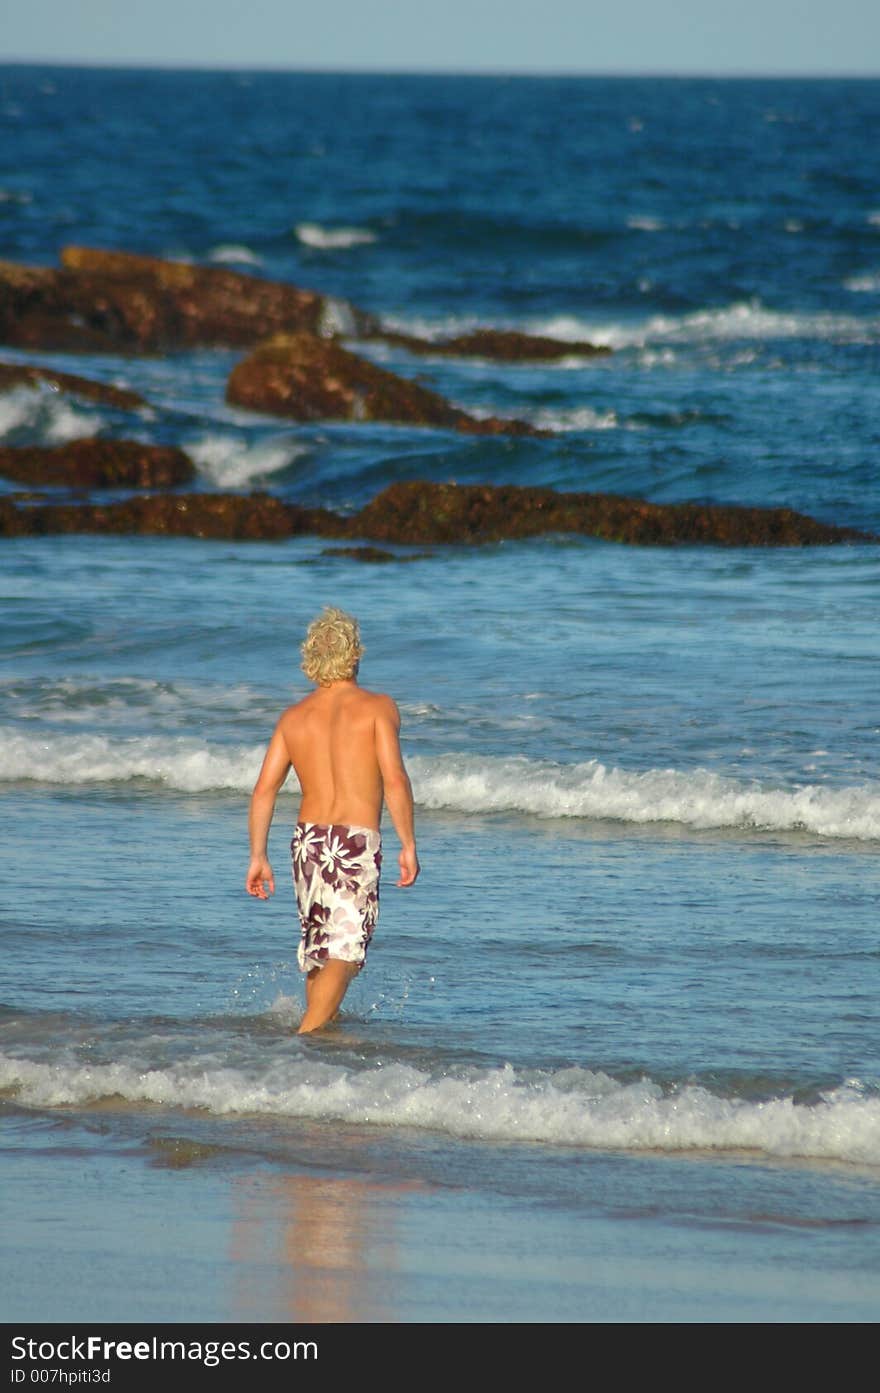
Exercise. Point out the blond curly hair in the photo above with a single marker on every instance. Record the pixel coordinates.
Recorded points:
(332, 647)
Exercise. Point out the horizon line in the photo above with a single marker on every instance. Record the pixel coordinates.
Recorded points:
(193, 65)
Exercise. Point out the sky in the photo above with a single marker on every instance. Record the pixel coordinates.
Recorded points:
(779, 37)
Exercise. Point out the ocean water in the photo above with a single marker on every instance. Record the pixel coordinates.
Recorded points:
(633, 997)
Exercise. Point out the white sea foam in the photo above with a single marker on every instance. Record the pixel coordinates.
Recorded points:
(568, 1107)
(20, 196)
(472, 784)
(640, 223)
(312, 234)
(234, 254)
(337, 317)
(231, 462)
(441, 327)
(577, 418)
(45, 414)
(866, 284)
(697, 798)
(181, 763)
(742, 320)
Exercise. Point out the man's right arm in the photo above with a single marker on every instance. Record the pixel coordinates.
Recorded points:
(276, 766)
(397, 787)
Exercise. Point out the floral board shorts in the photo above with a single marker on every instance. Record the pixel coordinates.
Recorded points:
(336, 878)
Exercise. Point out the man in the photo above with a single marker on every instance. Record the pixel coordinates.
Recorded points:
(343, 743)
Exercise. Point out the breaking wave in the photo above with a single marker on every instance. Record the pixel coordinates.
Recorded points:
(231, 462)
(743, 320)
(42, 416)
(695, 798)
(319, 238)
(568, 1107)
(866, 284)
(467, 783)
(230, 253)
(576, 419)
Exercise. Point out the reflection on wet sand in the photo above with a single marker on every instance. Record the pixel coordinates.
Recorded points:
(314, 1248)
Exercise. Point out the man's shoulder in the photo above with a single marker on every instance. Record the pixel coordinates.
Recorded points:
(292, 713)
(382, 703)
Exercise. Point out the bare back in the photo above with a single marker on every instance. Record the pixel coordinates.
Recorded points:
(334, 739)
(343, 743)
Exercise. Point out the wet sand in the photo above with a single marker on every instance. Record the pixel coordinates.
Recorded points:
(186, 1235)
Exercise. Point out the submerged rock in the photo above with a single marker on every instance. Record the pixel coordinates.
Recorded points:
(375, 555)
(32, 375)
(418, 513)
(501, 345)
(429, 512)
(312, 379)
(94, 463)
(110, 301)
(221, 516)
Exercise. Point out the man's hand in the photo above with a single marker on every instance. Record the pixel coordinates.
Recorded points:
(409, 866)
(260, 881)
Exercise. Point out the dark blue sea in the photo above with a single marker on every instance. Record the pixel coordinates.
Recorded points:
(617, 1054)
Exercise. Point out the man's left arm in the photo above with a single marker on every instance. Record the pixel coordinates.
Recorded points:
(397, 787)
(260, 880)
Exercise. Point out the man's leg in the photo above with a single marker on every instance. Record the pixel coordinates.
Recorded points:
(325, 988)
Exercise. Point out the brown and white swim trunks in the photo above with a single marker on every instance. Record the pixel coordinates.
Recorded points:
(336, 878)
